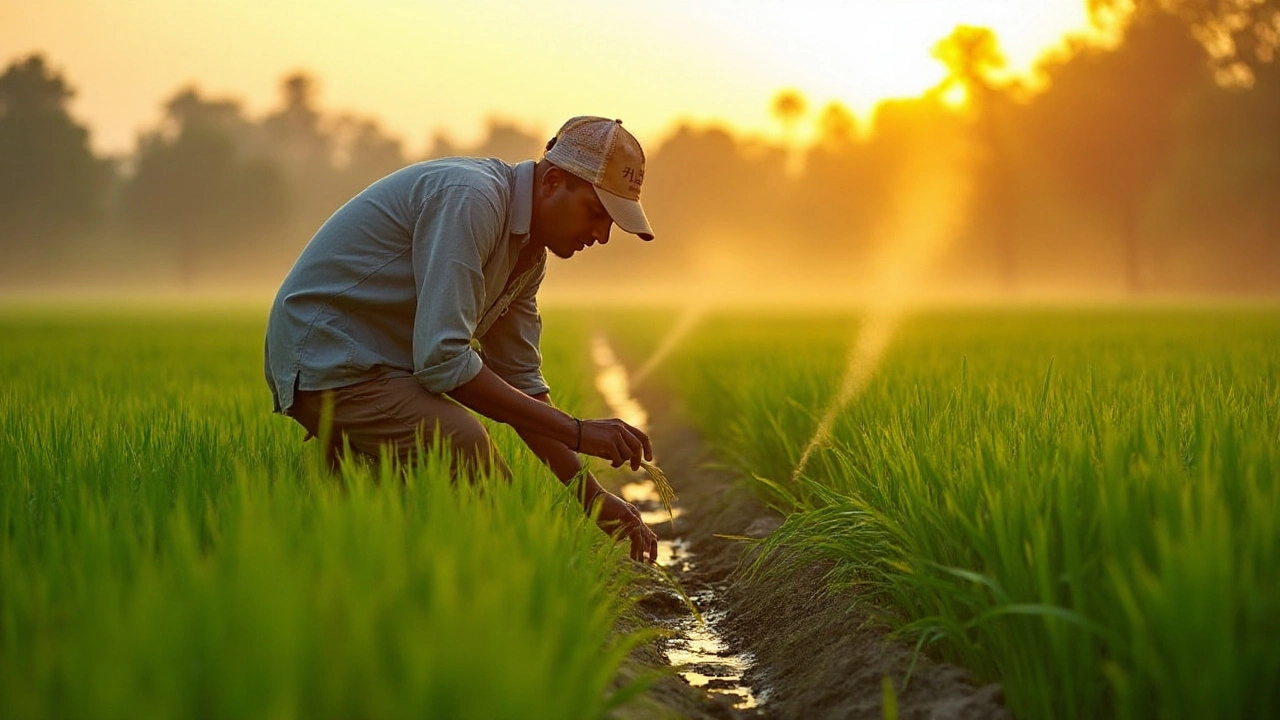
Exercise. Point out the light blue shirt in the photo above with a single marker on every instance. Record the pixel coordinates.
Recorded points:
(404, 276)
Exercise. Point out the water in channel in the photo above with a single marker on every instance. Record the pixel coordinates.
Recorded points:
(704, 659)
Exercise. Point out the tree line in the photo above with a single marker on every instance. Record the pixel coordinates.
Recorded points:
(1148, 165)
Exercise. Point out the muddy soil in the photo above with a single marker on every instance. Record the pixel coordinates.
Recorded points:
(812, 654)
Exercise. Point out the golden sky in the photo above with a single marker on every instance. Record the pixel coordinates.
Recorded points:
(424, 66)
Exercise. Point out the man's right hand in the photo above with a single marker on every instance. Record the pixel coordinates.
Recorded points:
(615, 441)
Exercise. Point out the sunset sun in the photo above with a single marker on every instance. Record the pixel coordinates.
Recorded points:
(862, 53)
(715, 62)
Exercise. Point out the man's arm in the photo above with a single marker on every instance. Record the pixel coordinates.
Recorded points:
(615, 515)
(511, 350)
(611, 439)
(552, 435)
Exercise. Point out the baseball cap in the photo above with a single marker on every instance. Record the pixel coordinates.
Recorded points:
(603, 153)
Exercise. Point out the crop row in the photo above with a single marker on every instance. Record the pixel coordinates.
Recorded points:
(1083, 504)
(170, 549)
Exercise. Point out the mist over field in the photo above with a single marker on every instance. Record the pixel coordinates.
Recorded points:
(1148, 167)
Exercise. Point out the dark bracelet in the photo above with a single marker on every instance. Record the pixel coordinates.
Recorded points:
(578, 447)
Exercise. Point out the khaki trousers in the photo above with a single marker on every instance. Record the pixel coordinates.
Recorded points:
(399, 414)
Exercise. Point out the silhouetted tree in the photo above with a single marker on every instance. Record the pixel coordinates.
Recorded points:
(709, 181)
(507, 140)
(1223, 203)
(1107, 125)
(837, 128)
(503, 139)
(441, 146)
(294, 131)
(973, 61)
(195, 187)
(788, 107)
(298, 137)
(721, 204)
(51, 185)
(840, 194)
(1238, 35)
(365, 153)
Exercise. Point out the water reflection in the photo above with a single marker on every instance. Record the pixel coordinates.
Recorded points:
(615, 386)
(697, 648)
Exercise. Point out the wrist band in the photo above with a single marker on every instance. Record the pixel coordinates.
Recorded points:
(578, 447)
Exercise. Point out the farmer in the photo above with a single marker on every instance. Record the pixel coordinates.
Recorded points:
(417, 300)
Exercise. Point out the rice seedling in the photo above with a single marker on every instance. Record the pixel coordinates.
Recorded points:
(168, 548)
(1079, 503)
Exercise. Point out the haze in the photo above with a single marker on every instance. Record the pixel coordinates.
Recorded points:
(423, 67)
(188, 148)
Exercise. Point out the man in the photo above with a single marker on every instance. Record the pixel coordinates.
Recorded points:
(379, 320)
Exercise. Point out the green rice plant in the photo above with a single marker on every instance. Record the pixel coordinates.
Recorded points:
(169, 549)
(1079, 503)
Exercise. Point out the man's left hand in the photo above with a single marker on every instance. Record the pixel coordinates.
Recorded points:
(621, 519)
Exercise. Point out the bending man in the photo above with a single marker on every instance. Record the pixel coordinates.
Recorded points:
(417, 299)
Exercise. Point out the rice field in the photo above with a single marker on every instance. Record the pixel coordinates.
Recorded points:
(1080, 503)
(1083, 504)
(171, 549)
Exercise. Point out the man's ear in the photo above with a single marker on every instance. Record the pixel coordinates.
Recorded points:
(552, 179)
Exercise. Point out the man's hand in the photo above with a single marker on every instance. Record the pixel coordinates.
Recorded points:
(621, 519)
(611, 439)
(615, 441)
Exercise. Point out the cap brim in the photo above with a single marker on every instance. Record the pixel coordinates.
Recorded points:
(626, 214)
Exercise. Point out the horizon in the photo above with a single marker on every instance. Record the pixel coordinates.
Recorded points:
(701, 64)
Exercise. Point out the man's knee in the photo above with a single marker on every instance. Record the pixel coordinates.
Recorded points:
(397, 414)
(467, 436)
(471, 445)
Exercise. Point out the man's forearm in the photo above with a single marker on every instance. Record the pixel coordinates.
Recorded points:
(608, 438)
(492, 397)
(564, 463)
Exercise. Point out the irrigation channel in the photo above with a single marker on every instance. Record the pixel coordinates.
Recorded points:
(696, 647)
(776, 646)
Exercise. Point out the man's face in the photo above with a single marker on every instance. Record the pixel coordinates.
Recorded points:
(570, 217)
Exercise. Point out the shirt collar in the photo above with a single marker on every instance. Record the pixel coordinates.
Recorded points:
(520, 214)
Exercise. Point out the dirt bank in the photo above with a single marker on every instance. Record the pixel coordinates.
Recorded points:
(813, 655)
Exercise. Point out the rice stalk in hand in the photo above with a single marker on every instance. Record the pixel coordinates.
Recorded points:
(665, 492)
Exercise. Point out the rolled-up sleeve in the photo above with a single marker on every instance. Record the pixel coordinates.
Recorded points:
(511, 346)
(454, 234)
